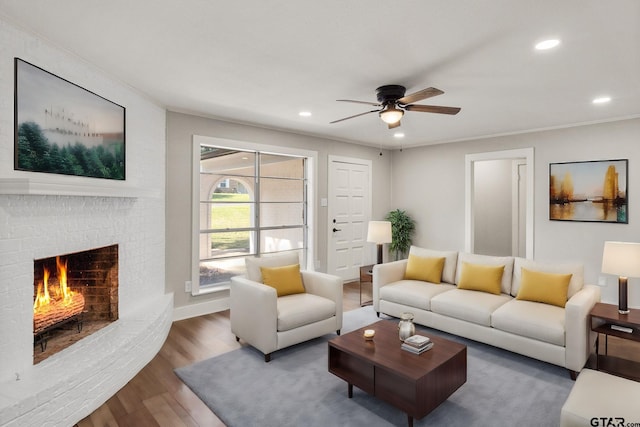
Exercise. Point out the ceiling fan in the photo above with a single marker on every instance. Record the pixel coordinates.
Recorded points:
(392, 104)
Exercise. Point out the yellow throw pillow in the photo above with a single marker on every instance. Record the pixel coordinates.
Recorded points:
(286, 280)
(480, 277)
(425, 269)
(548, 288)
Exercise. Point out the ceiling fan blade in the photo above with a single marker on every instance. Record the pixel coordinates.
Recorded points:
(354, 116)
(394, 125)
(420, 95)
(375, 104)
(432, 109)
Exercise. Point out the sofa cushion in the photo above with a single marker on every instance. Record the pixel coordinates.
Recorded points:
(575, 269)
(472, 306)
(426, 269)
(505, 286)
(279, 260)
(597, 394)
(478, 277)
(450, 257)
(303, 309)
(548, 288)
(542, 322)
(286, 280)
(413, 293)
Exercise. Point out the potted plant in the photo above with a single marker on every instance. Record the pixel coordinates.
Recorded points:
(402, 229)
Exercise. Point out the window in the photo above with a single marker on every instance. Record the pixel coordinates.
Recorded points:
(249, 203)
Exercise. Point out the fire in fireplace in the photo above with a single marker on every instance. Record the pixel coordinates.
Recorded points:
(74, 295)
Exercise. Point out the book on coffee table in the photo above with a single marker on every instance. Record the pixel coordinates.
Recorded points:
(416, 350)
(417, 341)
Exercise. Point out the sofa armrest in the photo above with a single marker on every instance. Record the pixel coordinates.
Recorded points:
(254, 313)
(327, 286)
(579, 338)
(383, 274)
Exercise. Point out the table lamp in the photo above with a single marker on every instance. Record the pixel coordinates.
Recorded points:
(379, 232)
(623, 260)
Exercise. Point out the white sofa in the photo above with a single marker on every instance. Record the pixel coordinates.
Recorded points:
(561, 336)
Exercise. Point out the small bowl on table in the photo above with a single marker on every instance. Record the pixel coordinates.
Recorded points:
(368, 334)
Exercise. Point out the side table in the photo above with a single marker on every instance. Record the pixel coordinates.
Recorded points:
(366, 276)
(605, 319)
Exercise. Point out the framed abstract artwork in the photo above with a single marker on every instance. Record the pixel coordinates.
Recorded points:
(62, 128)
(595, 191)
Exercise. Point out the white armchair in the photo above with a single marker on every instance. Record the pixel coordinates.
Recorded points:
(268, 322)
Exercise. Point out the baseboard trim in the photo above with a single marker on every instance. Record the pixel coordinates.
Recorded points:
(199, 309)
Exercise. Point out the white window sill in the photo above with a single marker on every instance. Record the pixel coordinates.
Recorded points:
(211, 289)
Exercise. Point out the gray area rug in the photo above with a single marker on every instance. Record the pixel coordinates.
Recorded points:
(295, 388)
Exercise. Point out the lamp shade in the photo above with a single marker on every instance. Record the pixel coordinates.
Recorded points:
(379, 232)
(621, 259)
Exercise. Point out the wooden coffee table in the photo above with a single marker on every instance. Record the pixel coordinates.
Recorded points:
(415, 384)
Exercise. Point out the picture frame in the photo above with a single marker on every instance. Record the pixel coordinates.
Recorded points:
(589, 191)
(62, 128)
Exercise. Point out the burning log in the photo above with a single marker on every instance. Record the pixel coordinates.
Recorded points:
(57, 311)
(55, 302)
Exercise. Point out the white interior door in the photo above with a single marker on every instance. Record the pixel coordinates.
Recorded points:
(348, 215)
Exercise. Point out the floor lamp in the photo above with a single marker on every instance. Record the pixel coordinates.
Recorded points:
(379, 232)
(623, 260)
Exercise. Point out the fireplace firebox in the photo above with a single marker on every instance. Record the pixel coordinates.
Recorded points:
(75, 295)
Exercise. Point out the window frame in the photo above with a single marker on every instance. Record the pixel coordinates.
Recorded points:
(311, 178)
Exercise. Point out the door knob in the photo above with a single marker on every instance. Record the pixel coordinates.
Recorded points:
(335, 229)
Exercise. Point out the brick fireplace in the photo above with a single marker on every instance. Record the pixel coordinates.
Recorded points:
(75, 295)
(44, 215)
(133, 313)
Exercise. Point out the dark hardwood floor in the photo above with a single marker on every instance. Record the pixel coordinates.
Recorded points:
(156, 397)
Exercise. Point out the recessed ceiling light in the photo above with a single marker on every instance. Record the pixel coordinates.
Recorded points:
(601, 100)
(547, 44)
(398, 135)
(304, 113)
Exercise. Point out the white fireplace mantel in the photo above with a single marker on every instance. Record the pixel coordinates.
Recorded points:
(51, 186)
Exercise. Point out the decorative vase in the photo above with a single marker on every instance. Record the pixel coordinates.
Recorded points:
(406, 328)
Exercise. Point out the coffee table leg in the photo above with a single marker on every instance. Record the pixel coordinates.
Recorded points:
(350, 390)
(410, 420)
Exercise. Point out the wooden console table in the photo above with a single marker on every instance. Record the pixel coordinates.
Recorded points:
(604, 318)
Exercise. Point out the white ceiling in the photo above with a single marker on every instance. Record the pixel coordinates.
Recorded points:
(263, 61)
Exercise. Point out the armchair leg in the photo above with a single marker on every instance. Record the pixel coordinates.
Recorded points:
(267, 358)
(378, 314)
(338, 332)
(237, 338)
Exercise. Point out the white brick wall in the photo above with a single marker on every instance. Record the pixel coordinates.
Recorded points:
(69, 385)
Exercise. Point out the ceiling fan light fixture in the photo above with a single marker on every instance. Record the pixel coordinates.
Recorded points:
(391, 115)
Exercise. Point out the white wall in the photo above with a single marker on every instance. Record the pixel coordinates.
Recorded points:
(71, 384)
(438, 204)
(180, 131)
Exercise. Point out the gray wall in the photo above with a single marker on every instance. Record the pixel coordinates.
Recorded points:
(437, 202)
(492, 207)
(180, 130)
